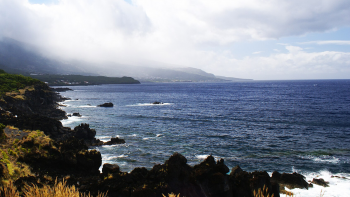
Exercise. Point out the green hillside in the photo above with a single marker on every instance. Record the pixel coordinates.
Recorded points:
(71, 80)
(12, 82)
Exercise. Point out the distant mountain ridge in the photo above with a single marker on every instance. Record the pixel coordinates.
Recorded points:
(21, 58)
(18, 57)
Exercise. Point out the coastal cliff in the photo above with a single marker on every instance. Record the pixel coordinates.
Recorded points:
(37, 149)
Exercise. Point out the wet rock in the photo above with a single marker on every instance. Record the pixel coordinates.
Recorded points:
(320, 182)
(105, 105)
(114, 140)
(290, 181)
(157, 103)
(76, 114)
(244, 183)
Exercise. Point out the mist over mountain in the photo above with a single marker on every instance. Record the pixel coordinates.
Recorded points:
(18, 57)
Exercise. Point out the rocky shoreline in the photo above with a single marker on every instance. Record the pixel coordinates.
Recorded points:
(64, 153)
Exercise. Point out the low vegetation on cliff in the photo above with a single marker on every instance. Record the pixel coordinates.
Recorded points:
(71, 80)
(11, 82)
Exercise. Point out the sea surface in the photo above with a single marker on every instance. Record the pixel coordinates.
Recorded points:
(285, 126)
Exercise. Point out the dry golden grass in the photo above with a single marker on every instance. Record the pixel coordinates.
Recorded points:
(172, 195)
(60, 189)
(262, 192)
(9, 190)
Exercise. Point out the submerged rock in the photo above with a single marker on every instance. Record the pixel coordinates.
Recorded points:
(157, 103)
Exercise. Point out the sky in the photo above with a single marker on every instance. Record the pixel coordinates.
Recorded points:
(252, 39)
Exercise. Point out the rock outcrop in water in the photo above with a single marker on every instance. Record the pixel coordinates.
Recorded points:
(105, 105)
(64, 153)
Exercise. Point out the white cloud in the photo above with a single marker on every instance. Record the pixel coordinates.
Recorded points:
(179, 32)
(295, 64)
(324, 42)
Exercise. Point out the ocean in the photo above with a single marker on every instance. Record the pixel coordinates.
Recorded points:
(285, 126)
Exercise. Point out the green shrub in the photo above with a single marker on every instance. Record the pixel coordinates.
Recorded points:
(2, 134)
(11, 82)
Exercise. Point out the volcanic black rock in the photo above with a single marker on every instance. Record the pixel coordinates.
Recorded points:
(105, 105)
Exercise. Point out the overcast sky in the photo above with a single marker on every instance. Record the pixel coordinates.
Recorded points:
(255, 39)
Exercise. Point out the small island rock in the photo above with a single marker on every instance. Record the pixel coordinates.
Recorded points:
(105, 105)
(115, 141)
(76, 114)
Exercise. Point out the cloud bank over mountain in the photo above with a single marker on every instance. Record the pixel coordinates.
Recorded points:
(231, 38)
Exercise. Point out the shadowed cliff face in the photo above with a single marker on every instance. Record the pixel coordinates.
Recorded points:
(33, 108)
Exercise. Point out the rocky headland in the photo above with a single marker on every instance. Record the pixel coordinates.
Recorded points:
(37, 149)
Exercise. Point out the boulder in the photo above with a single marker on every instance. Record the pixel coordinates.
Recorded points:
(76, 114)
(177, 168)
(235, 170)
(90, 160)
(83, 131)
(212, 177)
(157, 103)
(110, 169)
(105, 105)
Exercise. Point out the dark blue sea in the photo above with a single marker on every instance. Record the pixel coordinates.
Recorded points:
(288, 126)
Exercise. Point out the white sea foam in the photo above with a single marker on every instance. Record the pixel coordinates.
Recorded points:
(104, 138)
(72, 100)
(116, 157)
(86, 106)
(148, 104)
(64, 105)
(202, 157)
(322, 159)
(339, 185)
(111, 146)
(111, 158)
(71, 120)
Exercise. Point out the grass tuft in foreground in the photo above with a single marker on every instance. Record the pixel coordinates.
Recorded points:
(60, 189)
(172, 195)
(262, 192)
